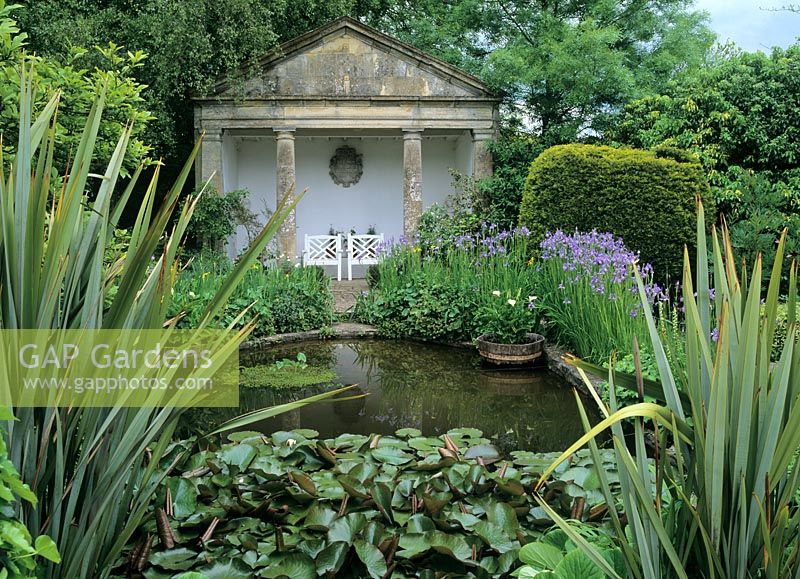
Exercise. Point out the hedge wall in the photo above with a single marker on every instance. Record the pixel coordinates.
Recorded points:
(645, 197)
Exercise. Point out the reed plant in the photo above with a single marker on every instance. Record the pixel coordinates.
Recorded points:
(92, 469)
(717, 499)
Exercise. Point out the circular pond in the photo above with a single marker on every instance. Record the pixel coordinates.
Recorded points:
(430, 387)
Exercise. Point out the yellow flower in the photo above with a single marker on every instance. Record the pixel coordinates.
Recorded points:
(205, 274)
(531, 260)
(496, 293)
(512, 302)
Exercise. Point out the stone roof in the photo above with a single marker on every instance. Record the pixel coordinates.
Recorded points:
(345, 59)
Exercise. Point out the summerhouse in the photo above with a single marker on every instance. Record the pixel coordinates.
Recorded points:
(368, 125)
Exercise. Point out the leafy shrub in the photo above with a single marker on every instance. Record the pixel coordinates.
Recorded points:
(216, 217)
(439, 225)
(79, 75)
(781, 328)
(556, 556)
(501, 194)
(646, 200)
(357, 506)
(17, 553)
(283, 300)
(758, 206)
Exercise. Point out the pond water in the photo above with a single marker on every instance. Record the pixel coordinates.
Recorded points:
(430, 387)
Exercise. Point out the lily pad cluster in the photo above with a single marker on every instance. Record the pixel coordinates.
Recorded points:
(292, 505)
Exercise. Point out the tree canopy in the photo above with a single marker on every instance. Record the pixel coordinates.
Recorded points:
(563, 67)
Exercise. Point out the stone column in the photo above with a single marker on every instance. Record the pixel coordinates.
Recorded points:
(209, 164)
(412, 181)
(287, 237)
(481, 156)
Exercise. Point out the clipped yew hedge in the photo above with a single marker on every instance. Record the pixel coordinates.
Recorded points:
(645, 197)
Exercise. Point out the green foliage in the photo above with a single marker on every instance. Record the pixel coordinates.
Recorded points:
(85, 464)
(190, 46)
(740, 109)
(436, 295)
(501, 194)
(731, 418)
(356, 506)
(280, 300)
(568, 65)
(17, 551)
(439, 224)
(556, 556)
(740, 114)
(757, 208)
(216, 217)
(782, 329)
(647, 200)
(78, 74)
(509, 318)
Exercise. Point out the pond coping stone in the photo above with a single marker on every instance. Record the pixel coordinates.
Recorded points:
(341, 331)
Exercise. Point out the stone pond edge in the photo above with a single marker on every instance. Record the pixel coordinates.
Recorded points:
(350, 331)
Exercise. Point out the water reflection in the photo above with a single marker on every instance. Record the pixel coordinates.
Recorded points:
(429, 387)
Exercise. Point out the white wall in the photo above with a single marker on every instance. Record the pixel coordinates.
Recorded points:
(376, 200)
(439, 155)
(250, 164)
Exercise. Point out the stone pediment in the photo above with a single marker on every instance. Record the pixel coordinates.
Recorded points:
(346, 59)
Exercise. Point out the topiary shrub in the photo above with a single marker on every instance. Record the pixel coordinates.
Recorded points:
(644, 197)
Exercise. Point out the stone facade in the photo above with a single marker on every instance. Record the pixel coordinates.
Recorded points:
(347, 77)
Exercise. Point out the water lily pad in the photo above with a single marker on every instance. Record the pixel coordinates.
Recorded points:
(494, 536)
(179, 559)
(332, 557)
(294, 565)
(345, 529)
(425, 443)
(243, 435)
(226, 569)
(465, 432)
(383, 499)
(238, 455)
(391, 455)
(408, 432)
(319, 518)
(487, 452)
(184, 497)
(372, 559)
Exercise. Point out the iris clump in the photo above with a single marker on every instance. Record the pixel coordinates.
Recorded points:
(588, 292)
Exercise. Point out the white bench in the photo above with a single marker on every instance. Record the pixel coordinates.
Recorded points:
(323, 250)
(362, 250)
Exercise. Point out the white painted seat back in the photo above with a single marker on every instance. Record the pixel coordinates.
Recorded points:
(362, 250)
(323, 250)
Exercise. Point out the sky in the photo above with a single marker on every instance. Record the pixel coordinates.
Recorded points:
(750, 23)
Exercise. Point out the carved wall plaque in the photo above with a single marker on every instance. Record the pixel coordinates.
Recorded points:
(346, 166)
